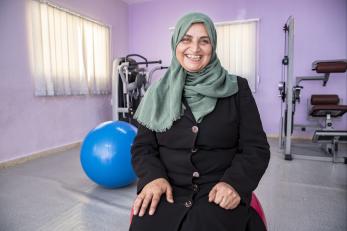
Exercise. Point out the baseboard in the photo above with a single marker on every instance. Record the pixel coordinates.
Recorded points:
(274, 136)
(39, 154)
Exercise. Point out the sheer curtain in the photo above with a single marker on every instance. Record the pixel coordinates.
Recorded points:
(237, 48)
(70, 54)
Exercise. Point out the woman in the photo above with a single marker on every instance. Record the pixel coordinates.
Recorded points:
(200, 150)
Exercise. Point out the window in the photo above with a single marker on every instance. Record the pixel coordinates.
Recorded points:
(237, 48)
(70, 54)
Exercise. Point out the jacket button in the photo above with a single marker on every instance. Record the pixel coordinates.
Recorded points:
(195, 188)
(188, 204)
(195, 129)
(194, 150)
(196, 174)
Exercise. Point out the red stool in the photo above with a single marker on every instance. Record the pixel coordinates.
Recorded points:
(255, 204)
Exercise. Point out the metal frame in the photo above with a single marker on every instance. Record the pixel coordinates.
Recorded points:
(285, 87)
(120, 71)
(290, 94)
(331, 144)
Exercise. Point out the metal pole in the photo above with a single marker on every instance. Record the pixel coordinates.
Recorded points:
(289, 86)
(114, 99)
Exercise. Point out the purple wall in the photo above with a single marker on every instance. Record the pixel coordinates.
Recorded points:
(320, 33)
(28, 123)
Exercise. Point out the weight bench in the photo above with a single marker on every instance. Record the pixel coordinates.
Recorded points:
(328, 106)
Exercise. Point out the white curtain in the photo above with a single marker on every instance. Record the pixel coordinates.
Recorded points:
(70, 54)
(237, 49)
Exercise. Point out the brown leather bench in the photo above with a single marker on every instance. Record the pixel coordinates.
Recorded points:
(328, 106)
(322, 105)
(330, 66)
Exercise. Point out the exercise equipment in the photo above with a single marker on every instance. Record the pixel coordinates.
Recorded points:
(130, 80)
(323, 107)
(255, 204)
(327, 106)
(105, 154)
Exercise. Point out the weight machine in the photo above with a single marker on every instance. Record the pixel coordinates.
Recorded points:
(130, 79)
(324, 107)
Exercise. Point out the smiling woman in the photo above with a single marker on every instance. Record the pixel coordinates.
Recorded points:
(194, 50)
(200, 141)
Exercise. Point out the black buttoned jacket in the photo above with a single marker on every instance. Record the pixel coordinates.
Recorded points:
(229, 145)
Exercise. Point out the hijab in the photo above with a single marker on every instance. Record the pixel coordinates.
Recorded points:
(162, 103)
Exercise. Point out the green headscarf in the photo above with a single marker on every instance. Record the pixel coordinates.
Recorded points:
(162, 103)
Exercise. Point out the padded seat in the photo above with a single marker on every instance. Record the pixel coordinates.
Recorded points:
(325, 99)
(324, 110)
(332, 66)
(326, 104)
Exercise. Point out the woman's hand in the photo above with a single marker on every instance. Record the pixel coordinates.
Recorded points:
(150, 195)
(224, 195)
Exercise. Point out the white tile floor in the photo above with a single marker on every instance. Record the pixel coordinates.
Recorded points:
(304, 195)
(52, 193)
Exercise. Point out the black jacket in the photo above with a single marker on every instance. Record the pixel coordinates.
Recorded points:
(228, 145)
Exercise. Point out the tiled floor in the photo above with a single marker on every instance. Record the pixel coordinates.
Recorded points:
(53, 193)
(304, 195)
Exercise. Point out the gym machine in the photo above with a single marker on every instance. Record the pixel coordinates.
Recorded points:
(323, 107)
(131, 77)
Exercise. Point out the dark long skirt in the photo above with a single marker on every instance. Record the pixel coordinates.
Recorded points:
(192, 212)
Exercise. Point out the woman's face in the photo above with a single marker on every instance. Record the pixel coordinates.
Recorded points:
(194, 51)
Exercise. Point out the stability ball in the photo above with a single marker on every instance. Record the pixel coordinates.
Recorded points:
(105, 154)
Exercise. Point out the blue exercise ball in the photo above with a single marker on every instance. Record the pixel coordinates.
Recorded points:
(105, 154)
